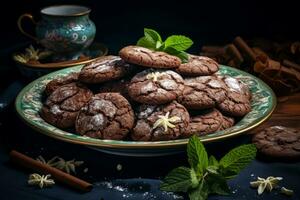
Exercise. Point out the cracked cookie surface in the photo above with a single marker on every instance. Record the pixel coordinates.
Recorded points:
(227, 122)
(198, 66)
(105, 116)
(152, 122)
(155, 86)
(205, 123)
(149, 58)
(278, 142)
(63, 105)
(237, 101)
(202, 92)
(119, 86)
(58, 82)
(104, 69)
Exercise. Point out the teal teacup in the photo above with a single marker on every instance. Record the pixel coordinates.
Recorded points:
(63, 29)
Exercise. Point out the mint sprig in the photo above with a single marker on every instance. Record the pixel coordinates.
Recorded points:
(207, 175)
(175, 45)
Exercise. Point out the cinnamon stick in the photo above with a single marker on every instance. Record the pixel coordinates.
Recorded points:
(291, 64)
(243, 46)
(58, 175)
(216, 50)
(233, 51)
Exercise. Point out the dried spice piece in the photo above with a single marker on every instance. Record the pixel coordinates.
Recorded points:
(235, 53)
(286, 191)
(50, 162)
(67, 166)
(31, 54)
(295, 47)
(59, 163)
(165, 121)
(40, 180)
(265, 184)
(243, 46)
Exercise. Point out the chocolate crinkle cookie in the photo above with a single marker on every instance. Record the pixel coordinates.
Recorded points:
(237, 101)
(120, 86)
(227, 122)
(104, 69)
(198, 66)
(149, 58)
(205, 123)
(105, 116)
(202, 92)
(165, 122)
(156, 86)
(63, 105)
(278, 142)
(58, 82)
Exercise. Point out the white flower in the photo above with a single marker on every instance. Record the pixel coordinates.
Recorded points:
(154, 76)
(165, 121)
(59, 163)
(269, 183)
(40, 180)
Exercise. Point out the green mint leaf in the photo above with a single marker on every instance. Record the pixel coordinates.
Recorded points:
(197, 155)
(180, 179)
(178, 42)
(199, 193)
(144, 42)
(180, 54)
(213, 161)
(217, 184)
(152, 35)
(212, 169)
(158, 45)
(237, 159)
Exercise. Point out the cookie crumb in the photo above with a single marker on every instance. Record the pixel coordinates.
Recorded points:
(119, 167)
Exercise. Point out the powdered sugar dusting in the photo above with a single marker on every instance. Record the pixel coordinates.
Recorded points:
(174, 75)
(149, 87)
(168, 84)
(146, 111)
(103, 68)
(98, 120)
(215, 84)
(105, 106)
(55, 110)
(203, 79)
(233, 84)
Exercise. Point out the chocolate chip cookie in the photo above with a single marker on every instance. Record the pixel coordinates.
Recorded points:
(63, 105)
(105, 116)
(104, 69)
(207, 122)
(56, 83)
(155, 86)
(165, 122)
(278, 142)
(149, 58)
(237, 101)
(198, 66)
(202, 92)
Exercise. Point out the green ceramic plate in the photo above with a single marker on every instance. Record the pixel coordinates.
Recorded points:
(28, 104)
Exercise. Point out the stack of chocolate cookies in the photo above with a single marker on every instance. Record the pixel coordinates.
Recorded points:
(146, 95)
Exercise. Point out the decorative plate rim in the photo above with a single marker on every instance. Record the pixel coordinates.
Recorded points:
(121, 144)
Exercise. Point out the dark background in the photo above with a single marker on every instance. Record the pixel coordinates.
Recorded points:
(205, 21)
(120, 23)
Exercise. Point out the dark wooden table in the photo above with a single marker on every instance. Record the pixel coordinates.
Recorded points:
(287, 113)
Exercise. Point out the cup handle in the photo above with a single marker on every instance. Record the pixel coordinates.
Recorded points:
(26, 15)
